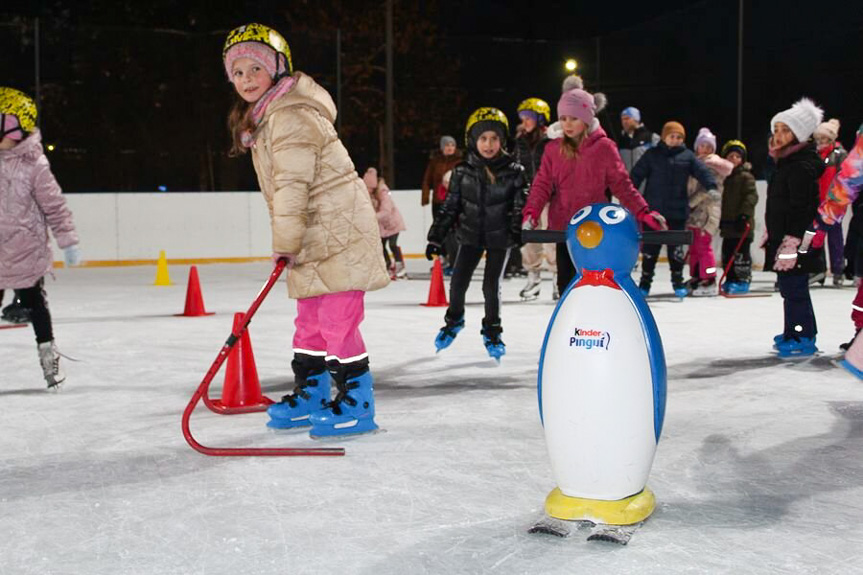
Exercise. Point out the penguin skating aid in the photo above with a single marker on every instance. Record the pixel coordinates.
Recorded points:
(601, 383)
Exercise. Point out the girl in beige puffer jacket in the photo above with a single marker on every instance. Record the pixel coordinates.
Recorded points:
(31, 203)
(323, 223)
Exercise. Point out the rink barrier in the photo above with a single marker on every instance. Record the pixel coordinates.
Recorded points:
(237, 332)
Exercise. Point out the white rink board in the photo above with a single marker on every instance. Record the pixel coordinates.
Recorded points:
(136, 226)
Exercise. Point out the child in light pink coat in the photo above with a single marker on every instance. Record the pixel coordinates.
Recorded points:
(31, 203)
(390, 222)
(705, 211)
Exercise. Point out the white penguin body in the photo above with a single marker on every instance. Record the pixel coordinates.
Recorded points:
(597, 395)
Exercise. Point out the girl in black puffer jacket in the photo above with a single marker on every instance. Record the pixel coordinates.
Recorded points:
(486, 195)
(792, 205)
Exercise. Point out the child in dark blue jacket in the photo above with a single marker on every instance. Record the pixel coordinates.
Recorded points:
(667, 169)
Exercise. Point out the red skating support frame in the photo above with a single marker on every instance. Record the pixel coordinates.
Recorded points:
(211, 373)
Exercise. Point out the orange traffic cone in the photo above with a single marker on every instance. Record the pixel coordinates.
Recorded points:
(242, 387)
(194, 299)
(437, 291)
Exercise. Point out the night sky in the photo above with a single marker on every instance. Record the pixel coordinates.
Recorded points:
(134, 96)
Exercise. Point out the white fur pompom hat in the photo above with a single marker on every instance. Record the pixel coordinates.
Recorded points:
(803, 117)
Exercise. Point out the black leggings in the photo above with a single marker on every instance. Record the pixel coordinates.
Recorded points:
(393, 242)
(33, 298)
(565, 267)
(466, 260)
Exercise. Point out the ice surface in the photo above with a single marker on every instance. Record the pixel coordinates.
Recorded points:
(759, 469)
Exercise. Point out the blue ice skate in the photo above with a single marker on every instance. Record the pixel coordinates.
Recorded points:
(796, 347)
(308, 396)
(681, 291)
(736, 288)
(491, 339)
(351, 412)
(447, 333)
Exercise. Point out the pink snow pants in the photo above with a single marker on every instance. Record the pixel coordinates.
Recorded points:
(329, 325)
(701, 257)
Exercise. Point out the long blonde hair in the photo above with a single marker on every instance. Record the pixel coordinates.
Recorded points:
(569, 146)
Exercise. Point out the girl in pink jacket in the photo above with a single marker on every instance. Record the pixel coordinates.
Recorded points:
(390, 222)
(705, 211)
(575, 172)
(31, 203)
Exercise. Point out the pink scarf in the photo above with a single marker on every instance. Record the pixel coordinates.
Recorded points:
(779, 153)
(257, 113)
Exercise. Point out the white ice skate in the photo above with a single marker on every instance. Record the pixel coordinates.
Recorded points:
(534, 284)
(49, 358)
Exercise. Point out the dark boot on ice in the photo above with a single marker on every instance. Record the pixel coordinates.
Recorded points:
(311, 393)
(352, 411)
(16, 313)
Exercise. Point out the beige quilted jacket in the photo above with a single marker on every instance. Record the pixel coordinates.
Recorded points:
(319, 207)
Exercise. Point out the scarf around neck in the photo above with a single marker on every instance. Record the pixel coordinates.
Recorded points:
(784, 152)
(257, 113)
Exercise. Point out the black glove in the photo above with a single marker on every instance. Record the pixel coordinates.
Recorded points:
(432, 250)
(740, 223)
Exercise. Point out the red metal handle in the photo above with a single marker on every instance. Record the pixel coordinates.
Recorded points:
(214, 369)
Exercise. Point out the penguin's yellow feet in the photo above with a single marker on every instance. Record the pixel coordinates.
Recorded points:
(625, 511)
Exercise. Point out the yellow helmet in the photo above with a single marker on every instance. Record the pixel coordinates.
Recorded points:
(263, 34)
(486, 115)
(538, 107)
(20, 105)
(734, 146)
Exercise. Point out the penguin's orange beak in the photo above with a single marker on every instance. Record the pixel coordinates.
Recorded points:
(589, 234)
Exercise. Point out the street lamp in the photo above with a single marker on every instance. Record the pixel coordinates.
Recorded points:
(570, 65)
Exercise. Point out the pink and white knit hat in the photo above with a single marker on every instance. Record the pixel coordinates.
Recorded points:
(577, 103)
(260, 53)
(11, 128)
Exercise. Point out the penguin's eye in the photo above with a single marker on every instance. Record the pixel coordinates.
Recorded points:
(580, 215)
(612, 215)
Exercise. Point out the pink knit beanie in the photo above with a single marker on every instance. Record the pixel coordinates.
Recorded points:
(11, 128)
(260, 53)
(577, 103)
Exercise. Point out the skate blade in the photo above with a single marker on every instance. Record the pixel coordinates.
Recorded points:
(618, 534)
(355, 435)
(303, 427)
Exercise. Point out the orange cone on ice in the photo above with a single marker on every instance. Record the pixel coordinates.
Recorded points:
(194, 299)
(242, 387)
(437, 290)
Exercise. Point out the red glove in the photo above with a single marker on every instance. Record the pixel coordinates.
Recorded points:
(818, 240)
(529, 219)
(651, 219)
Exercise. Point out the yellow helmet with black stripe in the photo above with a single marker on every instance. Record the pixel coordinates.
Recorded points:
(20, 105)
(538, 107)
(485, 119)
(734, 146)
(263, 34)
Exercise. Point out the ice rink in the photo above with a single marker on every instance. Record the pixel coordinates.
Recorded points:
(759, 470)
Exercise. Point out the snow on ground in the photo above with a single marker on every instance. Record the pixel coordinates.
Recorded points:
(759, 469)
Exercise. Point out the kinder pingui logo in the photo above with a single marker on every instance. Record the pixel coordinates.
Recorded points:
(590, 339)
